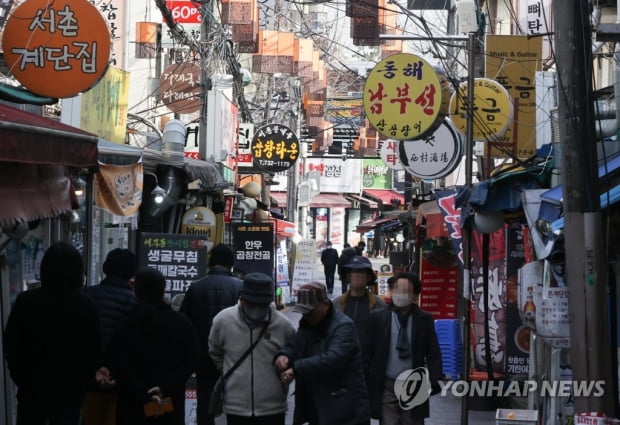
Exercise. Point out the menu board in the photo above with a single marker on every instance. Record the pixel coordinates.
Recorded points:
(254, 247)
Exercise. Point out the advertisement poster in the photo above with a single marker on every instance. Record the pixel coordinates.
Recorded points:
(253, 247)
(305, 261)
(180, 258)
(282, 277)
(439, 289)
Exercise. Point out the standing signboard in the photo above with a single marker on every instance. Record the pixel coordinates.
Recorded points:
(254, 248)
(305, 260)
(180, 258)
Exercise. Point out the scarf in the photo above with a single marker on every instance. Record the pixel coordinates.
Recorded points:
(402, 341)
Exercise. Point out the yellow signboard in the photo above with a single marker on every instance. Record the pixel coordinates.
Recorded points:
(103, 108)
(492, 109)
(118, 188)
(404, 97)
(512, 61)
(199, 221)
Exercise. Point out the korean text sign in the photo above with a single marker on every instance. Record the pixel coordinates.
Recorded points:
(180, 258)
(59, 49)
(254, 247)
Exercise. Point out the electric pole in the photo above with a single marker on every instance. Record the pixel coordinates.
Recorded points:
(586, 260)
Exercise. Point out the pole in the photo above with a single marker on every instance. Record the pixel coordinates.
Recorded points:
(586, 271)
(469, 159)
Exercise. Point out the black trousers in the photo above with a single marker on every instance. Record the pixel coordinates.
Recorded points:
(330, 271)
(204, 386)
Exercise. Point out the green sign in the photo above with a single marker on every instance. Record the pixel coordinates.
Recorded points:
(376, 175)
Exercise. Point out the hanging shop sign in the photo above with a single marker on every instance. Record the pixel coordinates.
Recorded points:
(244, 153)
(389, 154)
(199, 221)
(275, 148)
(254, 247)
(57, 49)
(118, 188)
(492, 109)
(435, 156)
(179, 87)
(180, 258)
(404, 97)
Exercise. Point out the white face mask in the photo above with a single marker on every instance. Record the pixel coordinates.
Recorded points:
(401, 300)
(255, 313)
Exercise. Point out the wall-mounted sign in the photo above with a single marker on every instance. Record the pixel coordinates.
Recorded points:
(435, 156)
(179, 87)
(275, 148)
(389, 154)
(200, 221)
(57, 49)
(404, 97)
(492, 109)
(184, 12)
(244, 153)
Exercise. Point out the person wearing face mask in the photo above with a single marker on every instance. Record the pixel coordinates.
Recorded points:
(358, 302)
(253, 392)
(325, 359)
(400, 338)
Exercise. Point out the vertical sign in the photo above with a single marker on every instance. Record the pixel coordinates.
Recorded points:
(244, 151)
(512, 60)
(180, 258)
(113, 11)
(254, 248)
(305, 260)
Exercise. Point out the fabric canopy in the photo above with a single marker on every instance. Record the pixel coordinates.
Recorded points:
(284, 228)
(329, 200)
(370, 203)
(384, 195)
(430, 216)
(32, 139)
(369, 225)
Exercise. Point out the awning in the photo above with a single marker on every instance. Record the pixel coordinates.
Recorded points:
(368, 202)
(32, 139)
(114, 154)
(279, 198)
(284, 229)
(329, 200)
(384, 195)
(206, 172)
(369, 225)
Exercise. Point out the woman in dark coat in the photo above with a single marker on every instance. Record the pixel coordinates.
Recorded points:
(154, 352)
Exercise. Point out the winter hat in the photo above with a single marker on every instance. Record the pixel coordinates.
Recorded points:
(359, 263)
(120, 262)
(221, 255)
(257, 288)
(309, 296)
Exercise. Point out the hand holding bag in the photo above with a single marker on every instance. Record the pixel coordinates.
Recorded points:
(216, 402)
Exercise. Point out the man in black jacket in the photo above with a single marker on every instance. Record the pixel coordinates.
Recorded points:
(204, 299)
(115, 300)
(52, 341)
(329, 259)
(402, 339)
(325, 359)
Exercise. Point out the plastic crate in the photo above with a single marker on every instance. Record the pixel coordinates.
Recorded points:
(516, 417)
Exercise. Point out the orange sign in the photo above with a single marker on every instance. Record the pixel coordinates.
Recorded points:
(57, 49)
(118, 188)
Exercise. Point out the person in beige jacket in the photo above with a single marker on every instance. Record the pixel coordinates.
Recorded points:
(254, 394)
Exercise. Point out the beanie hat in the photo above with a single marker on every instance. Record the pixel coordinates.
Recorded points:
(221, 255)
(309, 296)
(120, 262)
(257, 288)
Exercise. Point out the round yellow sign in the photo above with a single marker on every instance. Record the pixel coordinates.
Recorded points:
(404, 97)
(493, 109)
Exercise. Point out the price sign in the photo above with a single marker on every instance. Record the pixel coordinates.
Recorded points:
(184, 12)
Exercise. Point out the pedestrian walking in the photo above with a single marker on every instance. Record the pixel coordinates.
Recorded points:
(115, 300)
(204, 299)
(401, 338)
(325, 360)
(329, 259)
(52, 342)
(243, 343)
(360, 247)
(155, 350)
(348, 252)
(358, 302)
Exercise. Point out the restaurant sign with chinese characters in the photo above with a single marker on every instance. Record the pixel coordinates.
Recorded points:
(404, 97)
(253, 244)
(275, 148)
(57, 49)
(435, 156)
(492, 109)
(180, 258)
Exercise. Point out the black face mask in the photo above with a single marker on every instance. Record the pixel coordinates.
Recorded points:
(255, 313)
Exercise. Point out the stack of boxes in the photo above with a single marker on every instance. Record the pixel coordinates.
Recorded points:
(451, 345)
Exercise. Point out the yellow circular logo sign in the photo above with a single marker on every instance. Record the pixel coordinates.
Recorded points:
(492, 109)
(404, 97)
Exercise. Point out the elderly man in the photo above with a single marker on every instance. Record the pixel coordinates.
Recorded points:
(325, 359)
